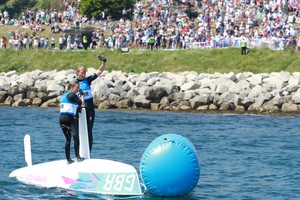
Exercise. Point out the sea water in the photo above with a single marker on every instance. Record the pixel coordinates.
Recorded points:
(241, 156)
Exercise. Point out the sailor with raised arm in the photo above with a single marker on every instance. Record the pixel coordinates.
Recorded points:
(85, 86)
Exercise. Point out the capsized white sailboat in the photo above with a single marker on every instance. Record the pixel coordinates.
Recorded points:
(91, 175)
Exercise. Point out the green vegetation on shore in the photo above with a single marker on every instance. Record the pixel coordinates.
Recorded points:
(136, 60)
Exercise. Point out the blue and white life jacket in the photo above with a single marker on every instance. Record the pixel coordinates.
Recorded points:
(86, 89)
(66, 106)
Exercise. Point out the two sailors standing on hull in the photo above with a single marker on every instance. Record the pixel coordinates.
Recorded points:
(69, 124)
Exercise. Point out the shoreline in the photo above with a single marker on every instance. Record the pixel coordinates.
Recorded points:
(277, 93)
(278, 114)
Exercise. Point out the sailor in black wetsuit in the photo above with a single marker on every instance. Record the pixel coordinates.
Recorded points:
(69, 107)
(85, 86)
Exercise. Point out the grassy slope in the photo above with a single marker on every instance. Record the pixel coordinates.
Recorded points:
(201, 61)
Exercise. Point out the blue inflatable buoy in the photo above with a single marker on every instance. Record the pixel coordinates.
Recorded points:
(170, 166)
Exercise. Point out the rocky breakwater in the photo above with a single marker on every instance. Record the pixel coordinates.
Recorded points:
(186, 91)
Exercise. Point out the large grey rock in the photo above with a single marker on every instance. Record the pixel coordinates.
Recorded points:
(127, 86)
(290, 107)
(36, 74)
(223, 84)
(198, 101)
(164, 102)
(4, 83)
(225, 106)
(228, 97)
(243, 76)
(239, 87)
(19, 102)
(167, 85)
(191, 76)
(61, 76)
(296, 97)
(100, 89)
(270, 108)
(256, 91)
(31, 94)
(190, 86)
(18, 97)
(104, 105)
(3, 96)
(278, 83)
(187, 95)
(55, 88)
(41, 85)
(11, 73)
(231, 76)
(177, 79)
(113, 99)
(284, 76)
(49, 75)
(152, 81)
(141, 102)
(133, 78)
(261, 99)
(37, 102)
(125, 103)
(131, 94)
(155, 93)
(118, 87)
(43, 95)
(143, 77)
(254, 80)
(8, 101)
(207, 83)
(291, 88)
(294, 80)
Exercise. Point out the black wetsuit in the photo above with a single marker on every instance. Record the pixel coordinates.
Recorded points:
(90, 111)
(69, 126)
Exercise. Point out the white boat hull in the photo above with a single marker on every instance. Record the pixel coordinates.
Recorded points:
(91, 175)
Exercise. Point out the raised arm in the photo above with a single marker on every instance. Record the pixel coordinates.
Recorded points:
(102, 66)
(101, 69)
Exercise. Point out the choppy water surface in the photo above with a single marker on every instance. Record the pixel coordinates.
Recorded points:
(241, 156)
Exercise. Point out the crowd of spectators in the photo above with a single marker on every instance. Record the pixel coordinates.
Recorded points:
(165, 24)
(36, 22)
